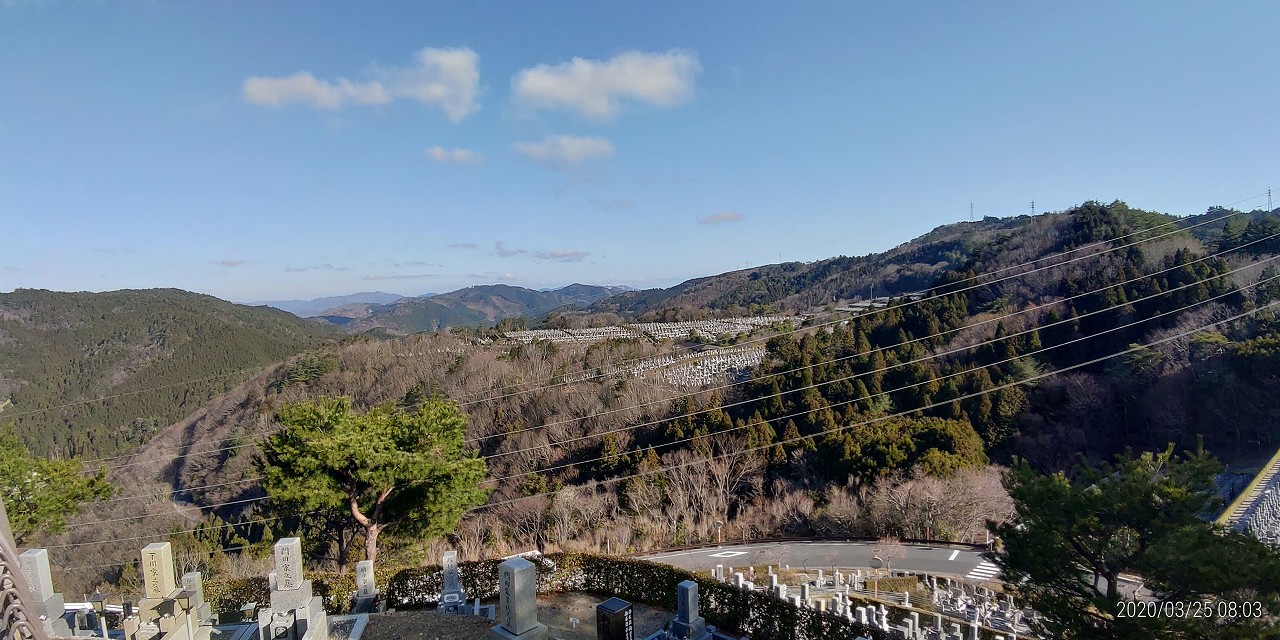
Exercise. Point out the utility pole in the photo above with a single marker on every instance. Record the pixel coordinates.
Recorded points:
(1269, 207)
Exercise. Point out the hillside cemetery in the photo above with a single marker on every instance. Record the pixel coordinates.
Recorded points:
(818, 605)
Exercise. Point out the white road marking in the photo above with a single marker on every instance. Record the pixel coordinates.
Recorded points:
(953, 555)
(728, 554)
(985, 571)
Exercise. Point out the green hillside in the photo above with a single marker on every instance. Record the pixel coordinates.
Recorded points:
(64, 348)
(473, 306)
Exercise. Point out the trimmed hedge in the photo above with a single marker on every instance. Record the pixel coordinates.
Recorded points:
(637, 581)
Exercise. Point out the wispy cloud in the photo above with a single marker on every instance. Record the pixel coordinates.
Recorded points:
(501, 249)
(400, 276)
(721, 218)
(454, 156)
(415, 263)
(494, 275)
(325, 266)
(610, 205)
(462, 245)
(448, 79)
(11, 268)
(598, 88)
(562, 255)
(229, 263)
(565, 151)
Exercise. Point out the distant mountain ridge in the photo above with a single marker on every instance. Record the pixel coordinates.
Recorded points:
(478, 305)
(318, 306)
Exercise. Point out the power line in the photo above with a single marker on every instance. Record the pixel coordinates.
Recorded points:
(939, 291)
(197, 380)
(175, 533)
(663, 401)
(796, 439)
(882, 393)
(183, 490)
(145, 515)
(881, 349)
(121, 564)
(935, 405)
(873, 421)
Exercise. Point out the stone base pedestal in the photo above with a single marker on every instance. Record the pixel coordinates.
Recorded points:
(365, 604)
(695, 629)
(538, 632)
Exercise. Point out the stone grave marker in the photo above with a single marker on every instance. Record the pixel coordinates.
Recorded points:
(452, 597)
(158, 578)
(194, 582)
(615, 620)
(34, 564)
(688, 625)
(518, 602)
(365, 586)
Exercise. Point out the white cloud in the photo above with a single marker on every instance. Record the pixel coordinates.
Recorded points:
(444, 78)
(721, 218)
(456, 156)
(305, 88)
(408, 276)
(559, 151)
(597, 88)
(503, 251)
(562, 255)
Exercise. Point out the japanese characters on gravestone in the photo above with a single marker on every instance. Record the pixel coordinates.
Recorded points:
(615, 620)
(158, 579)
(160, 606)
(452, 598)
(366, 589)
(295, 613)
(518, 602)
(34, 564)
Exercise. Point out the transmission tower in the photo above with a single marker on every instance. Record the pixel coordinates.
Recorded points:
(1033, 208)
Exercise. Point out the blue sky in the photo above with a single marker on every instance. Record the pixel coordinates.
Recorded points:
(258, 150)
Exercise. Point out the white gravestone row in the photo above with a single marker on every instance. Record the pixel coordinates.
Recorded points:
(1263, 521)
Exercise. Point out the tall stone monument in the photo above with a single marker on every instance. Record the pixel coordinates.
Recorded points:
(163, 598)
(295, 613)
(518, 602)
(49, 605)
(366, 588)
(452, 598)
(688, 625)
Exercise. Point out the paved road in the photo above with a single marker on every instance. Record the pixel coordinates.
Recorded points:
(962, 563)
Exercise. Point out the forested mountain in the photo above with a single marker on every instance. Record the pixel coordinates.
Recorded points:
(1030, 343)
(911, 266)
(64, 349)
(318, 306)
(480, 305)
